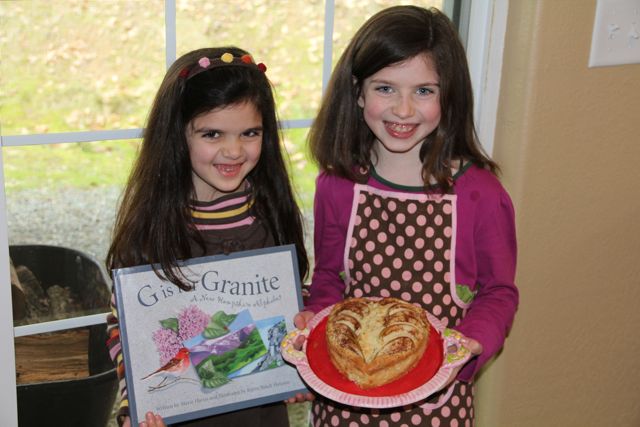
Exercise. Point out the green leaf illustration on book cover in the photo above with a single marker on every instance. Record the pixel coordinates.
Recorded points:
(170, 323)
(209, 377)
(219, 325)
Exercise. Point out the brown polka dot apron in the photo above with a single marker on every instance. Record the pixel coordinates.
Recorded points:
(402, 245)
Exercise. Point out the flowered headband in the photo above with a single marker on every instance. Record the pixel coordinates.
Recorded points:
(225, 59)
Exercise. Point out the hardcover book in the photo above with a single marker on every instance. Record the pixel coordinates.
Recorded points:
(216, 348)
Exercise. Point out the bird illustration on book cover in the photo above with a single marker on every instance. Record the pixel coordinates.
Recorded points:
(171, 371)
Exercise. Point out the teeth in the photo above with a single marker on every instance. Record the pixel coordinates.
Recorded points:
(398, 127)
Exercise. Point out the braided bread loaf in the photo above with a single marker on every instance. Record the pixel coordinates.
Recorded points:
(374, 342)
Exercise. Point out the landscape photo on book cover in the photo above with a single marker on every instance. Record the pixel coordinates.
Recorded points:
(217, 347)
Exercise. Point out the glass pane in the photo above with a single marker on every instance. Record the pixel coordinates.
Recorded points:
(286, 35)
(303, 170)
(303, 174)
(61, 204)
(351, 14)
(78, 65)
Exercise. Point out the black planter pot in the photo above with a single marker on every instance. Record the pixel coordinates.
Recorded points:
(84, 402)
(57, 265)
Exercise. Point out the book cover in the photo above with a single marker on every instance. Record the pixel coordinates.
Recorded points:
(215, 349)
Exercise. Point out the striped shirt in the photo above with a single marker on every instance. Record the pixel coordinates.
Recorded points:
(227, 212)
(225, 225)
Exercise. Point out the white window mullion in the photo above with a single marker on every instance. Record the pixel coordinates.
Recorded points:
(170, 31)
(327, 57)
(296, 123)
(60, 325)
(8, 397)
(62, 137)
(487, 28)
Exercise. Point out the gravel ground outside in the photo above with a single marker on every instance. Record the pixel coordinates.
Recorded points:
(80, 219)
(74, 218)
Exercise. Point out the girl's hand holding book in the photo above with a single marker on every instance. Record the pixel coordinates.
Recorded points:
(150, 420)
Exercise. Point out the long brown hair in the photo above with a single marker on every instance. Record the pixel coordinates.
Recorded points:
(154, 224)
(340, 139)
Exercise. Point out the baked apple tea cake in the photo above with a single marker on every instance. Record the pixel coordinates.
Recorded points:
(374, 342)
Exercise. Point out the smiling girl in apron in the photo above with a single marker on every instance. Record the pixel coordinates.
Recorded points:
(408, 205)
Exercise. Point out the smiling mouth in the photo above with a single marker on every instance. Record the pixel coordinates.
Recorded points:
(228, 170)
(400, 130)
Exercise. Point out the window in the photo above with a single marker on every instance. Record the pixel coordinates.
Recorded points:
(73, 106)
(77, 78)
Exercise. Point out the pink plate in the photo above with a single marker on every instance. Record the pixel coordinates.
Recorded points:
(428, 377)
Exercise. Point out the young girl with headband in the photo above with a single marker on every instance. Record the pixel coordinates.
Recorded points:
(210, 179)
(408, 205)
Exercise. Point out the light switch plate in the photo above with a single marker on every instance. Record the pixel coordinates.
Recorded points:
(616, 33)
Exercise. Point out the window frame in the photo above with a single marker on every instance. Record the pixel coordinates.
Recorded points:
(484, 39)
